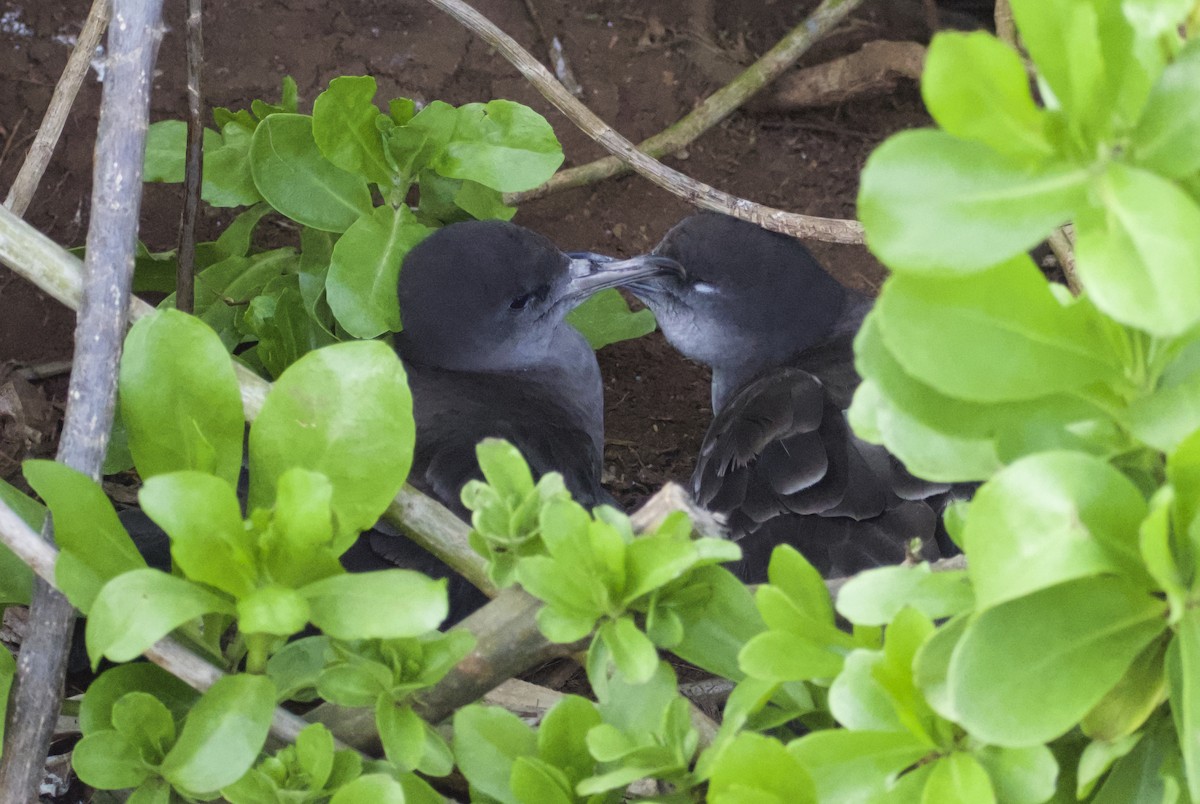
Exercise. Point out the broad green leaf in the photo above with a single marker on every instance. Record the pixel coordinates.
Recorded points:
(361, 286)
(294, 667)
(505, 469)
(236, 239)
(606, 318)
(781, 656)
(562, 736)
(315, 754)
(402, 733)
(374, 788)
(135, 610)
(856, 698)
(1051, 518)
(1183, 671)
(228, 177)
(1019, 775)
(285, 331)
(931, 666)
(166, 150)
(94, 545)
(487, 740)
(534, 780)
(754, 762)
(482, 203)
(716, 627)
(502, 145)
(1169, 414)
(632, 651)
(854, 765)
(146, 722)
(1149, 772)
(354, 685)
(1098, 757)
(343, 125)
(180, 399)
(108, 760)
(344, 411)
(958, 778)
(222, 735)
(1027, 670)
(1165, 139)
(386, 604)
(932, 203)
(999, 335)
(875, 597)
(299, 182)
(95, 712)
(209, 541)
(1126, 707)
(274, 610)
(975, 87)
(1063, 39)
(1138, 254)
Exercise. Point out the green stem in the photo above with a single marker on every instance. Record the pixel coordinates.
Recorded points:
(257, 648)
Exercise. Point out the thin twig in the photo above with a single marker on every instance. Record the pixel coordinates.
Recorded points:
(715, 108)
(1064, 250)
(23, 188)
(185, 281)
(697, 193)
(112, 233)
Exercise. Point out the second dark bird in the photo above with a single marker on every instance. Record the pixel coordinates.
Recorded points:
(779, 459)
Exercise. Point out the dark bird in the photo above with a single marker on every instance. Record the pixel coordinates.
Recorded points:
(489, 354)
(779, 459)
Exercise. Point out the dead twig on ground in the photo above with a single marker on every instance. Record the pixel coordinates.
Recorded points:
(701, 195)
(875, 68)
(99, 332)
(34, 166)
(713, 110)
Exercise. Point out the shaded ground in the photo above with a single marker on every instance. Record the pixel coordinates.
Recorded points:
(642, 65)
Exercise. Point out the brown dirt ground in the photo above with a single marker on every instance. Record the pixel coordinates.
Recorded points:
(642, 66)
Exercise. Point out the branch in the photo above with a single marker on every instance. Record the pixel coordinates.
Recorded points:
(34, 166)
(875, 68)
(713, 110)
(116, 199)
(697, 193)
(185, 280)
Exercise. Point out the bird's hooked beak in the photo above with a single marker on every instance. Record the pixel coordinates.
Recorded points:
(591, 273)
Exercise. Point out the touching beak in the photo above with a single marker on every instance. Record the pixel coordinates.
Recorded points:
(595, 272)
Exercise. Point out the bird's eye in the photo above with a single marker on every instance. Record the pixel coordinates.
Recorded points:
(520, 302)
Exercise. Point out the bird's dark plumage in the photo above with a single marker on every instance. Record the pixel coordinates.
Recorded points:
(779, 459)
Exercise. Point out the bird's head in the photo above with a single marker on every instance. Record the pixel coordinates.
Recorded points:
(748, 294)
(490, 295)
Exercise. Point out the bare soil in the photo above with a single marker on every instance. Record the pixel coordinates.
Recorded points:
(642, 65)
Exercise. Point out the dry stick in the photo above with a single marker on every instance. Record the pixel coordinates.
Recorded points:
(714, 109)
(697, 193)
(112, 232)
(185, 281)
(168, 654)
(30, 175)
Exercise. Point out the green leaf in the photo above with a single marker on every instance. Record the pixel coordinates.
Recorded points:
(343, 125)
(753, 762)
(1167, 416)
(297, 180)
(109, 761)
(418, 143)
(562, 736)
(854, 765)
(228, 177)
(976, 88)
(1098, 757)
(1165, 138)
(1051, 518)
(386, 604)
(933, 203)
(931, 667)
(1126, 707)
(344, 411)
(875, 597)
(374, 788)
(856, 698)
(94, 545)
(502, 145)
(717, 626)
(209, 541)
(505, 470)
(1139, 254)
(1027, 670)
(274, 610)
(294, 667)
(606, 318)
(632, 651)
(145, 722)
(222, 735)
(1183, 671)
(8, 668)
(487, 740)
(174, 364)
(996, 336)
(95, 713)
(482, 203)
(361, 286)
(958, 778)
(166, 150)
(285, 331)
(534, 780)
(135, 610)
(402, 733)
(1020, 775)
(790, 572)
(782, 656)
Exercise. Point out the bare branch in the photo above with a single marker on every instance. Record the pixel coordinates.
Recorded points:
(185, 280)
(714, 109)
(697, 193)
(30, 175)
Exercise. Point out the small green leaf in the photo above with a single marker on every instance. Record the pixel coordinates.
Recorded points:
(402, 733)
(146, 723)
(856, 698)
(632, 651)
(294, 667)
(166, 150)
(386, 604)
(562, 736)
(343, 125)
(361, 286)
(933, 203)
(605, 318)
(753, 762)
(1125, 708)
(222, 735)
(852, 765)
(1165, 138)
(502, 145)
(1027, 670)
(136, 609)
(273, 610)
(374, 788)
(505, 469)
(299, 182)
(487, 741)
(173, 362)
(781, 656)
(875, 597)
(1183, 671)
(109, 761)
(534, 780)
(95, 713)
(1097, 758)
(958, 777)
(228, 178)
(1020, 775)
